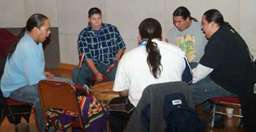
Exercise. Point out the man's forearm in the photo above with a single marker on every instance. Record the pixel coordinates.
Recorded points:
(119, 54)
(92, 66)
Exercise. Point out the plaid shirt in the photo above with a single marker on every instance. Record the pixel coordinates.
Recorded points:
(100, 46)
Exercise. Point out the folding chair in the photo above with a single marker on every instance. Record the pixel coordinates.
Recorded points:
(60, 95)
(226, 102)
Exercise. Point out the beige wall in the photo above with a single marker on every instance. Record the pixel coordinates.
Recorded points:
(12, 13)
(247, 23)
(71, 16)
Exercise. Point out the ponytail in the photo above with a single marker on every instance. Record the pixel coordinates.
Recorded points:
(154, 58)
(150, 28)
(14, 45)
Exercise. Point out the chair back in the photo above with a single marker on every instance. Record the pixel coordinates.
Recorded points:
(58, 95)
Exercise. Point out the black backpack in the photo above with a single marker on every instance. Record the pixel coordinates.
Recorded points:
(179, 116)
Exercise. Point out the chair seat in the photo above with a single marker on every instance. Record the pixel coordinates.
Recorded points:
(9, 101)
(14, 110)
(226, 100)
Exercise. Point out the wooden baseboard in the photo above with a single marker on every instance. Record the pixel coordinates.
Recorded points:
(65, 66)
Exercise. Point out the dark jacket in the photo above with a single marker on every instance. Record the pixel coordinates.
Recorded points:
(153, 97)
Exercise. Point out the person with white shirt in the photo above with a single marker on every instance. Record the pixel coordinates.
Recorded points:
(153, 61)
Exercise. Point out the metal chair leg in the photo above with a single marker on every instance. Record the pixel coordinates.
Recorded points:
(213, 115)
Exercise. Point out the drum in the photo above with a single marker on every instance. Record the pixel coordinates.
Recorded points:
(103, 91)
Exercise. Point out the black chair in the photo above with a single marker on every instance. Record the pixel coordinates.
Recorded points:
(14, 110)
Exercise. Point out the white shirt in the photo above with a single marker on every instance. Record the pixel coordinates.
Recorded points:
(133, 72)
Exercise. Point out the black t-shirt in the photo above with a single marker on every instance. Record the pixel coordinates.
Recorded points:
(227, 53)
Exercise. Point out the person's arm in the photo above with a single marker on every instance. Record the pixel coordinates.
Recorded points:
(49, 75)
(122, 81)
(85, 52)
(33, 65)
(200, 72)
(123, 93)
(120, 47)
(96, 72)
(116, 60)
(119, 54)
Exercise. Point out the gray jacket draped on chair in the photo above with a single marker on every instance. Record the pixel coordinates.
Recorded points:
(154, 95)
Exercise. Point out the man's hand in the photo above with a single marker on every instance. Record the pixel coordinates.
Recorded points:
(99, 76)
(110, 68)
(49, 75)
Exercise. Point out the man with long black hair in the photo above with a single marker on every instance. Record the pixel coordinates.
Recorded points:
(25, 65)
(228, 62)
(187, 28)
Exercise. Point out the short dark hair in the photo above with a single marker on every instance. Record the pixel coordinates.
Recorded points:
(213, 15)
(183, 12)
(93, 11)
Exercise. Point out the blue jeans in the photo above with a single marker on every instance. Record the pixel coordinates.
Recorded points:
(29, 94)
(206, 88)
(84, 75)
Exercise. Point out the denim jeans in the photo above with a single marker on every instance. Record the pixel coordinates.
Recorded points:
(29, 94)
(206, 88)
(84, 74)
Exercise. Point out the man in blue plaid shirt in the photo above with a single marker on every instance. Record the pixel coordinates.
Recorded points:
(100, 48)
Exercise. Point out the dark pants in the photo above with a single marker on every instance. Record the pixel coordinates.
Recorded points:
(84, 75)
(248, 106)
(118, 120)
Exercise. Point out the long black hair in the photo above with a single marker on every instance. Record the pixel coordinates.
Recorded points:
(184, 13)
(36, 20)
(213, 15)
(150, 29)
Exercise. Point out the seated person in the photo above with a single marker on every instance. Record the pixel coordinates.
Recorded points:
(187, 34)
(100, 46)
(227, 60)
(153, 61)
(25, 65)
